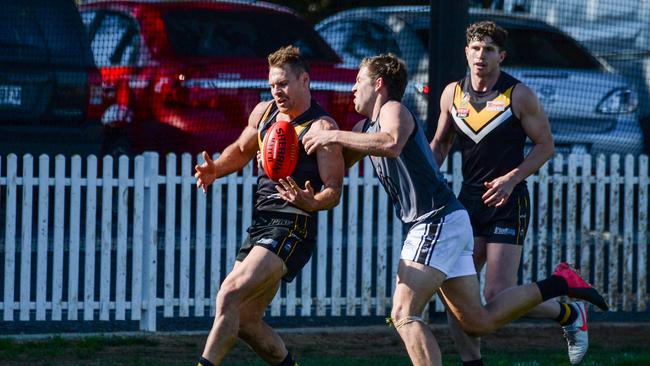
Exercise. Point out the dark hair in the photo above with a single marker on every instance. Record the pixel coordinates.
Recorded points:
(478, 31)
(290, 56)
(391, 69)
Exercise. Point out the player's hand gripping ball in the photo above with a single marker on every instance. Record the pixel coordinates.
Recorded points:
(280, 150)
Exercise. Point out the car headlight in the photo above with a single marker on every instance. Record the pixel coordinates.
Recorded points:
(621, 100)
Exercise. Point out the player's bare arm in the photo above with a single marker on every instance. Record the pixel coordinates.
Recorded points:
(445, 134)
(535, 123)
(396, 126)
(330, 168)
(235, 156)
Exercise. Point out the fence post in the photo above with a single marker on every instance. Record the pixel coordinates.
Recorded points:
(150, 242)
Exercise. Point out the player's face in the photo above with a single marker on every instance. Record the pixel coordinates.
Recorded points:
(364, 92)
(288, 87)
(483, 57)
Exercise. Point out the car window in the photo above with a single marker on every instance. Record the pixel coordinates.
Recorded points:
(242, 34)
(20, 33)
(63, 31)
(538, 48)
(535, 48)
(116, 39)
(354, 40)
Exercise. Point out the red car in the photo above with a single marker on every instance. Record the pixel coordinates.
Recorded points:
(183, 76)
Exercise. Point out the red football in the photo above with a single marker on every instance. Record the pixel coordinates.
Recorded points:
(280, 150)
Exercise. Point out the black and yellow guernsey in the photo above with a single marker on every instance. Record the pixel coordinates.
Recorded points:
(266, 197)
(491, 136)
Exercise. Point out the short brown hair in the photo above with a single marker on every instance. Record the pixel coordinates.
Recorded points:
(392, 69)
(478, 31)
(289, 55)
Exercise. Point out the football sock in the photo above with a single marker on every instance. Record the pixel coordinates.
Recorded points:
(478, 362)
(552, 287)
(204, 362)
(568, 314)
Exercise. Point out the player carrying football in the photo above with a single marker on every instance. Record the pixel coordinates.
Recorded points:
(283, 232)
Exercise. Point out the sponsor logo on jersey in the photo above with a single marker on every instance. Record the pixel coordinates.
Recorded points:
(495, 105)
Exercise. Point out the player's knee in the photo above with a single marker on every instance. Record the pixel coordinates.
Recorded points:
(229, 296)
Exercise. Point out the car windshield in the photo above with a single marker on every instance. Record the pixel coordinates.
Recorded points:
(538, 48)
(242, 34)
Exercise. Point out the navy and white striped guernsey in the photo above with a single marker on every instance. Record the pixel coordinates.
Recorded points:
(413, 180)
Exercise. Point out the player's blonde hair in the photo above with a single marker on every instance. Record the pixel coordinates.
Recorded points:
(393, 71)
(289, 56)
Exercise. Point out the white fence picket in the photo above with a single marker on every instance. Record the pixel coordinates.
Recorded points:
(199, 249)
(42, 236)
(170, 235)
(337, 258)
(10, 237)
(322, 264)
(138, 238)
(75, 238)
(89, 249)
(642, 239)
(106, 238)
(572, 209)
(58, 243)
(215, 242)
(382, 255)
(353, 225)
(628, 234)
(366, 239)
(185, 231)
(599, 225)
(26, 238)
(585, 225)
(556, 211)
(122, 236)
(542, 222)
(614, 220)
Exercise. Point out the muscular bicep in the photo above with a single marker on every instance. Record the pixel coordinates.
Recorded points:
(530, 112)
(330, 159)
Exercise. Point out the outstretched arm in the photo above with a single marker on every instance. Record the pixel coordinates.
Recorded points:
(235, 156)
(396, 126)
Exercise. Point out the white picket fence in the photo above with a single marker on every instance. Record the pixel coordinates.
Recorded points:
(119, 245)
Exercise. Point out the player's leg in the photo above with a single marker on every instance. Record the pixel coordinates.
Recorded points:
(259, 335)
(416, 284)
(513, 302)
(433, 250)
(260, 272)
(469, 348)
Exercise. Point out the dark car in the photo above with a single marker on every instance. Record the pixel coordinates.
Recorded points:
(183, 76)
(50, 89)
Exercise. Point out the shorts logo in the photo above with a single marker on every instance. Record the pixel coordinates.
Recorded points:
(504, 231)
(268, 241)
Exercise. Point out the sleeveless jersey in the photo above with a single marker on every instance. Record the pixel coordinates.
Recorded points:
(267, 197)
(412, 180)
(491, 136)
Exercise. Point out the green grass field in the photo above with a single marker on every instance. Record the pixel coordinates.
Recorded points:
(521, 346)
